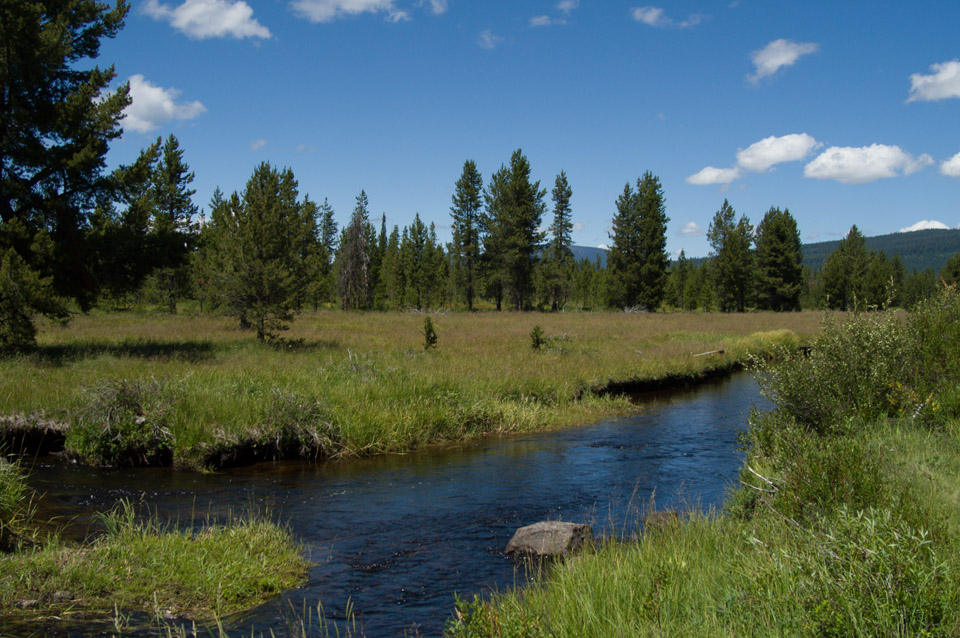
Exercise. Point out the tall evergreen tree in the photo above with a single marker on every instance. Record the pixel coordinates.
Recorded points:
(638, 258)
(558, 257)
(56, 121)
(256, 264)
(734, 269)
(844, 272)
(779, 261)
(515, 206)
(466, 225)
(494, 232)
(353, 276)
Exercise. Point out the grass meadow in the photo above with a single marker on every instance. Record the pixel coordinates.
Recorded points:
(199, 392)
(846, 521)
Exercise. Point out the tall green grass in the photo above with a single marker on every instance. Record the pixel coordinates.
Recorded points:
(142, 563)
(202, 393)
(846, 522)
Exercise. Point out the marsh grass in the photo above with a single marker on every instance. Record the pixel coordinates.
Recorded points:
(370, 385)
(15, 504)
(846, 522)
(202, 571)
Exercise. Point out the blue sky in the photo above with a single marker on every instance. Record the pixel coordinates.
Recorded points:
(844, 112)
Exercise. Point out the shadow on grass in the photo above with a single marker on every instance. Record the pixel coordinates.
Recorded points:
(190, 351)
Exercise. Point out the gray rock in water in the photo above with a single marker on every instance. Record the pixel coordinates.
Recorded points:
(549, 538)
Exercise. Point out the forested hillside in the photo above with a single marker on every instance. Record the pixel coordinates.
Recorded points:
(918, 250)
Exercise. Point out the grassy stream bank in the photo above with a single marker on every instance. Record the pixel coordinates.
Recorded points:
(846, 522)
(121, 389)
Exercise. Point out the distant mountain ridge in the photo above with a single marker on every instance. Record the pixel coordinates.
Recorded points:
(918, 250)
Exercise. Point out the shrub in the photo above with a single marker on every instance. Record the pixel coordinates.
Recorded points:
(429, 334)
(871, 574)
(854, 368)
(537, 340)
(123, 423)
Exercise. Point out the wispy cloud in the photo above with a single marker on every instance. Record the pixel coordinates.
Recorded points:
(544, 21)
(656, 17)
(566, 6)
(488, 39)
(200, 19)
(256, 145)
(330, 10)
(943, 83)
(777, 55)
(858, 165)
(437, 6)
(152, 106)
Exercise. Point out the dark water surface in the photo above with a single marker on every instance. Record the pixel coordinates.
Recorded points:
(396, 536)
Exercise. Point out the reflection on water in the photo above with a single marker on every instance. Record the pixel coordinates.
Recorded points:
(398, 535)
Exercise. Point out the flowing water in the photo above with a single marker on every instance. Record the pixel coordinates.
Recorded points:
(396, 536)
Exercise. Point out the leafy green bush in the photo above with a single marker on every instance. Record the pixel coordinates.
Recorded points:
(855, 368)
(124, 422)
(871, 574)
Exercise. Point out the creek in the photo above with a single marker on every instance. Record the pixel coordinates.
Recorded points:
(397, 535)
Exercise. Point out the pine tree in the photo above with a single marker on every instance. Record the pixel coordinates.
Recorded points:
(734, 269)
(558, 257)
(329, 241)
(353, 277)
(172, 232)
(467, 225)
(779, 261)
(638, 258)
(514, 209)
(255, 262)
(844, 272)
(56, 122)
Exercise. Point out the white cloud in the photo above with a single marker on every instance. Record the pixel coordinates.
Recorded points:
(712, 175)
(690, 229)
(951, 167)
(201, 19)
(778, 54)
(256, 145)
(577, 226)
(655, 17)
(438, 6)
(488, 39)
(330, 10)
(566, 6)
(925, 224)
(859, 165)
(603, 247)
(651, 16)
(760, 156)
(943, 83)
(152, 106)
(540, 21)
